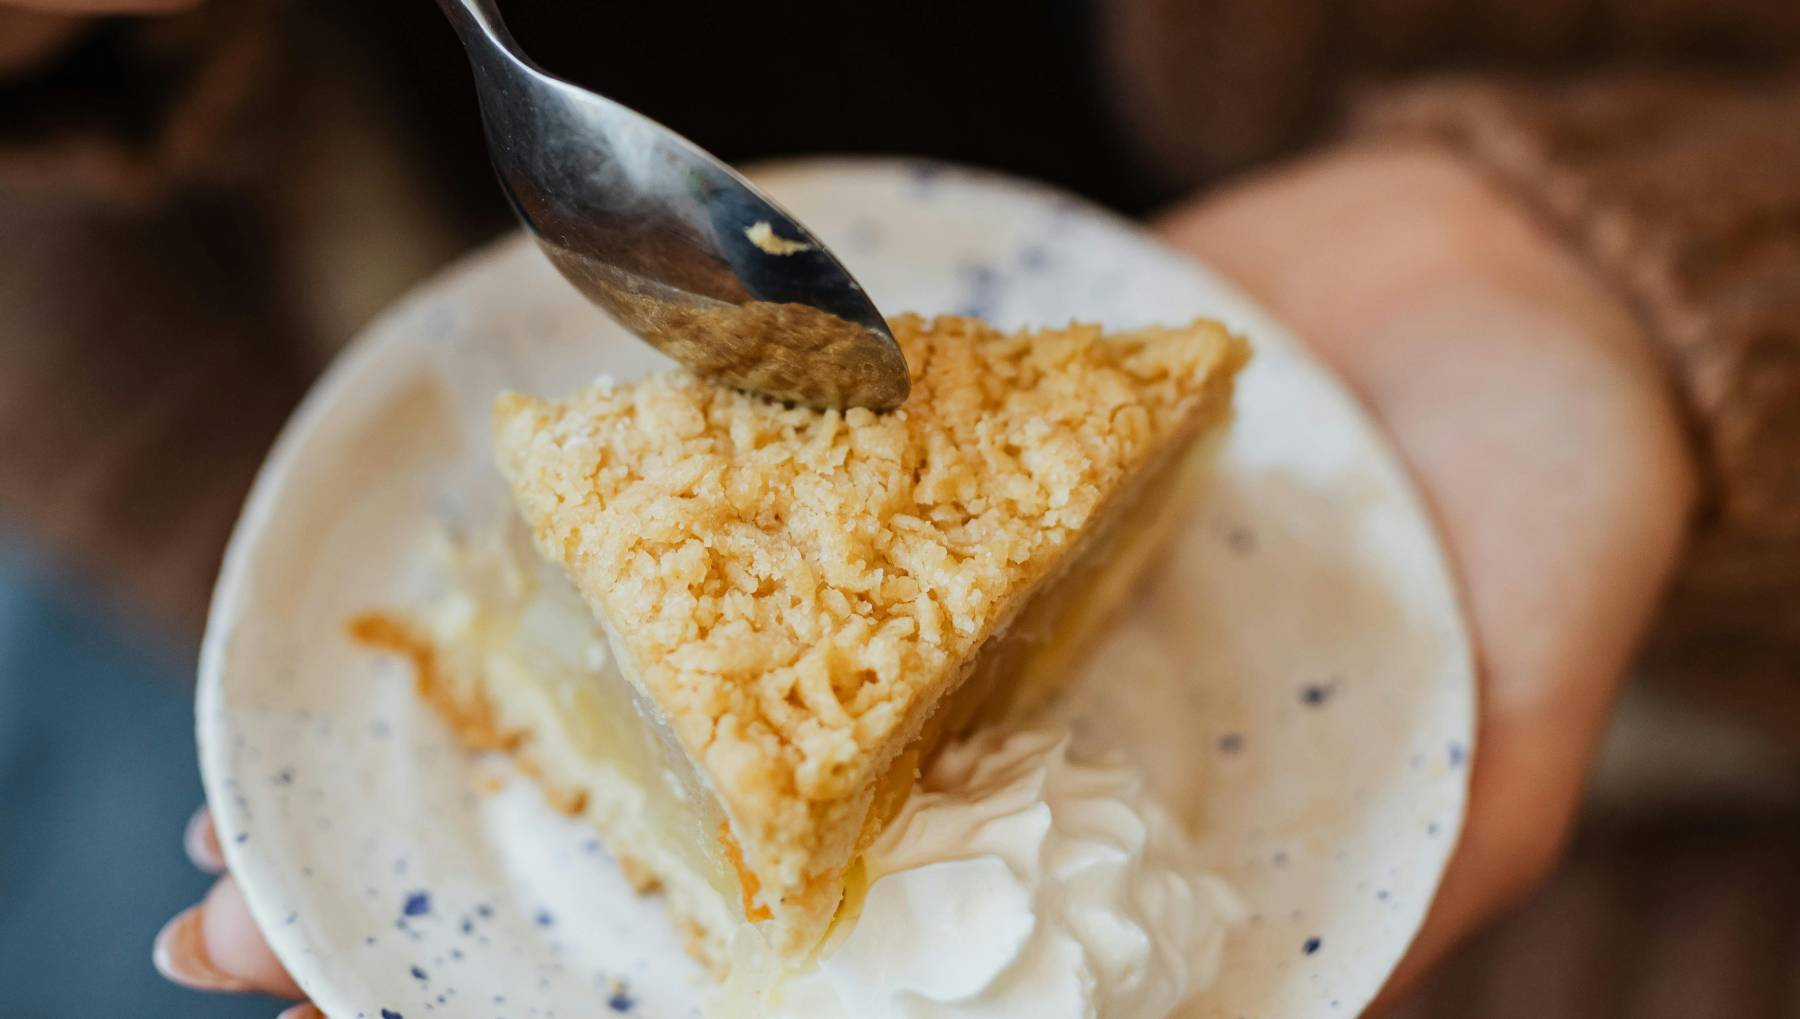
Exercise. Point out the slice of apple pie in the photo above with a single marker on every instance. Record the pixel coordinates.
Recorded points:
(801, 605)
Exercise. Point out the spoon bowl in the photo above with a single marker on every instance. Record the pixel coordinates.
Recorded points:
(682, 250)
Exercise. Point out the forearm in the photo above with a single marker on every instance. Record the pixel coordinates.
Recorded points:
(1680, 197)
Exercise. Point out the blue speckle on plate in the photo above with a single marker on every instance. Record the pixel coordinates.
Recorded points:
(1241, 539)
(1034, 258)
(981, 284)
(621, 1000)
(416, 904)
(419, 974)
(1315, 694)
(1312, 945)
(543, 918)
(978, 274)
(242, 837)
(1231, 743)
(924, 174)
(1457, 755)
(388, 1013)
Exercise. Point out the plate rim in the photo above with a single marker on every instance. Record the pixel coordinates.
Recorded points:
(372, 343)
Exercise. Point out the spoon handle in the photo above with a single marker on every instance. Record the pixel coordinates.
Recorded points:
(478, 22)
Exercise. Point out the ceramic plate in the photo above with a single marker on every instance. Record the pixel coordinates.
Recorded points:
(1296, 676)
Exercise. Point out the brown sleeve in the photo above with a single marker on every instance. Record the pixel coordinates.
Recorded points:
(1684, 193)
(1682, 190)
(1202, 89)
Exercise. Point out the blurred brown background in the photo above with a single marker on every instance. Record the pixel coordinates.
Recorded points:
(197, 212)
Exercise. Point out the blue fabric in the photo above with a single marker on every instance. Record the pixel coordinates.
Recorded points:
(97, 779)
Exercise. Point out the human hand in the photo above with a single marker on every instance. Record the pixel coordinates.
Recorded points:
(1539, 428)
(216, 946)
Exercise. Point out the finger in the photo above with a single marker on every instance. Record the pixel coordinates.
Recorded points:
(216, 946)
(201, 840)
(235, 944)
(180, 956)
(304, 1010)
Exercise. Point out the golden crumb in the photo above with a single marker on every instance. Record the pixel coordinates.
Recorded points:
(472, 718)
(749, 886)
(568, 800)
(797, 589)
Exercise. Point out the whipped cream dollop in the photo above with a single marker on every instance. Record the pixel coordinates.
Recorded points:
(1017, 882)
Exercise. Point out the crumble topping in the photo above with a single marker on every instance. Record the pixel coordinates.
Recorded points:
(793, 585)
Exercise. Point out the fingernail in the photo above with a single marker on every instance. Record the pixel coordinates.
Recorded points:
(180, 956)
(304, 1010)
(201, 840)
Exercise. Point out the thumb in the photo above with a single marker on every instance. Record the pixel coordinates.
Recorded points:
(216, 946)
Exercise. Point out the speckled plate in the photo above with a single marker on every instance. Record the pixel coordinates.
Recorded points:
(1296, 677)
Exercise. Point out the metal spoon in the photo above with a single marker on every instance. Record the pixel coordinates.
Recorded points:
(679, 248)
